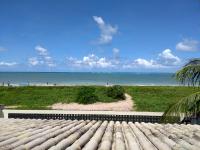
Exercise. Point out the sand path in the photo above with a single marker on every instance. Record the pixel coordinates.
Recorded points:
(123, 105)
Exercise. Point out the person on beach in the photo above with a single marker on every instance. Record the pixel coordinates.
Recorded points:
(8, 83)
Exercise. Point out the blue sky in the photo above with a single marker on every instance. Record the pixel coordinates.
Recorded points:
(91, 35)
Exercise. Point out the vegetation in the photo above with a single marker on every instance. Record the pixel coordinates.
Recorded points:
(146, 98)
(188, 106)
(157, 98)
(86, 95)
(190, 73)
(32, 97)
(116, 92)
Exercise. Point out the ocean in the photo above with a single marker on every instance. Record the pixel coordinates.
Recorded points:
(86, 78)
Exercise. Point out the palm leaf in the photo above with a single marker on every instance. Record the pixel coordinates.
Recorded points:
(186, 107)
(190, 73)
(194, 61)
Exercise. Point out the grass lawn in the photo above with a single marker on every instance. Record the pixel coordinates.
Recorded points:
(41, 97)
(157, 98)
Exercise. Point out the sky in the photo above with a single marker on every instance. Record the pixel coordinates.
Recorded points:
(98, 35)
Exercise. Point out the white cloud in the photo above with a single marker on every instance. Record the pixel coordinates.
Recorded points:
(90, 61)
(116, 51)
(2, 49)
(104, 63)
(4, 63)
(165, 59)
(168, 59)
(116, 56)
(99, 20)
(47, 57)
(42, 51)
(8, 64)
(143, 63)
(33, 61)
(107, 31)
(188, 45)
(43, 58)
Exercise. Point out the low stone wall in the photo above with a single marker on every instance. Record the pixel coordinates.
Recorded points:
(153, 117)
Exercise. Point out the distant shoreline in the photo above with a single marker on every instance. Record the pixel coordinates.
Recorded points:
(57, 85)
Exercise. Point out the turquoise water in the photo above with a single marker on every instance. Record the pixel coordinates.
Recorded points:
(86, 78)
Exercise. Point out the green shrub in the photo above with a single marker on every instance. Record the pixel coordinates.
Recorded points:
(86, 95)
(116, 92)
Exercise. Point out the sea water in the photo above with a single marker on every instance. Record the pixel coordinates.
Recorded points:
(86, 78)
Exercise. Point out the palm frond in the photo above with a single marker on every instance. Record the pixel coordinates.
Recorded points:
(190, 73)
(186, 107)
(194, 61)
